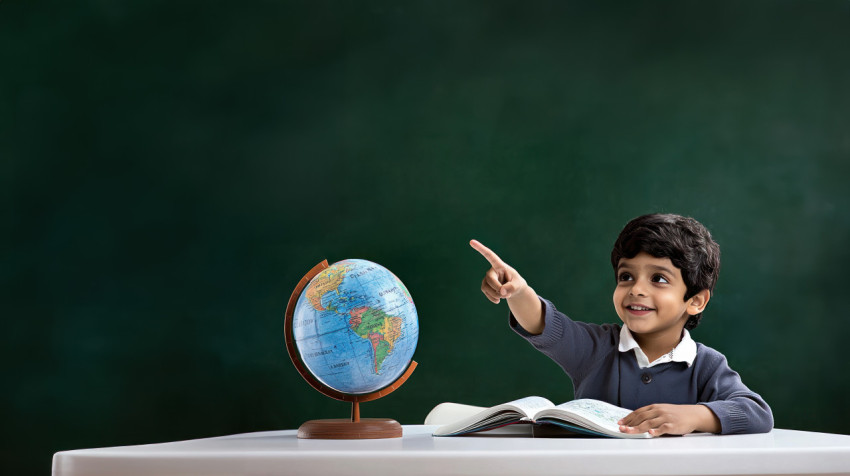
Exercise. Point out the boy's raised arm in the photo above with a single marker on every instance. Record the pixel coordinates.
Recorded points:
(503, 282)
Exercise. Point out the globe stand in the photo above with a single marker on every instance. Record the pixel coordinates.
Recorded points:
(355, 428)
(339, 428)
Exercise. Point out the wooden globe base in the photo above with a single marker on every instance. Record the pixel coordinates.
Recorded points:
(353, 429)
(345, 429)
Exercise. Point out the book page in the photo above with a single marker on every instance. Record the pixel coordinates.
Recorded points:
(495, 416)
(601, 413)
(530, 405)
(449, 412)
(594, 414)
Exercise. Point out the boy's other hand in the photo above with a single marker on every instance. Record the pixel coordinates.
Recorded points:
(500, 281)
(664, 418)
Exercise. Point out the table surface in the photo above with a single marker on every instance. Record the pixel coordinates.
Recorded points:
(281, 452)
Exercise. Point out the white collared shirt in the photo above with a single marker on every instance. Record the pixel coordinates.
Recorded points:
(686, 351)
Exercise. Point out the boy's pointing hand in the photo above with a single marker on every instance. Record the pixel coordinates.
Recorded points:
(500, 281)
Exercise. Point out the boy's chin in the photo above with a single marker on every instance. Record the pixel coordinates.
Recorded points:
(637, 325)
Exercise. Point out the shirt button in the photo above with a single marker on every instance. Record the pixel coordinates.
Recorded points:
(646, 377)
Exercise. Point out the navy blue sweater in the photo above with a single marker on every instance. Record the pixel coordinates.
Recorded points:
(589, 354)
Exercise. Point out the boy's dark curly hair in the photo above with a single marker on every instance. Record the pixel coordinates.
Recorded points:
(685, 241)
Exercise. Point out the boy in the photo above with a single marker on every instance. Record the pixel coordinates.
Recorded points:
(665, 267)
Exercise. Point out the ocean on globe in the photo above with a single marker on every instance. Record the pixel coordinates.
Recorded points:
(355, 326)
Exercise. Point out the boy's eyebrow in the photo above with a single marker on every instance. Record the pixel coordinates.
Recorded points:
(654, 266)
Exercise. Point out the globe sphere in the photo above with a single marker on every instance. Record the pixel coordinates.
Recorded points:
(355, 326)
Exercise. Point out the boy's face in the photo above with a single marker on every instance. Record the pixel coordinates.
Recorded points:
(650, 297)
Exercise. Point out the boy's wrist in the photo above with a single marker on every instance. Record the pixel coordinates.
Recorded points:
(707, 421)
(527, 310)
(526, 294)
(527, 302)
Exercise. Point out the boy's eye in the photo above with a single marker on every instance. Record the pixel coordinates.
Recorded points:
(624, 277)
(660, 279)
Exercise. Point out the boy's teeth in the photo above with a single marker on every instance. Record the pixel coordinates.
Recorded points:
(639, 308)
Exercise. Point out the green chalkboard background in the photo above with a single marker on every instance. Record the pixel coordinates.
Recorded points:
(169, 171)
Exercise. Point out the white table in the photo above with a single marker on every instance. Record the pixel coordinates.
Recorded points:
(281, 452)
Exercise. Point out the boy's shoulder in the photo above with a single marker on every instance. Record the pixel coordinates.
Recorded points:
(708, 358)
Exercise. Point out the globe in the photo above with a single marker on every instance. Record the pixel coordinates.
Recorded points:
(355, 326)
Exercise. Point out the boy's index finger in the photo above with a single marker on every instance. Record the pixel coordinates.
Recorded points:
(488, 254)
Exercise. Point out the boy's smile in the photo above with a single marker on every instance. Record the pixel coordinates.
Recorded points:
(650, 300)
(638, 310)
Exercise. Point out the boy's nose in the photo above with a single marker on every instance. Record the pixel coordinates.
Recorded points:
(637, 290)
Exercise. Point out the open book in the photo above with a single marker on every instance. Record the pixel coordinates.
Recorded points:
(584, 416)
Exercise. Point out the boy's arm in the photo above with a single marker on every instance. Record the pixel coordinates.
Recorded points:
(726, 406)
(503, 282)
(739, 409)
(575, 346)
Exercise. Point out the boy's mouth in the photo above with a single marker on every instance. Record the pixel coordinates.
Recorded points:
(639, 310)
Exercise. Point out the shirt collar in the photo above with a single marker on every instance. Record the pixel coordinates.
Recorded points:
(685, 351)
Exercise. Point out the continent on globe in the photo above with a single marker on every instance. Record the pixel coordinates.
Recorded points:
(380, 328)
(328, 280)
(403, 289)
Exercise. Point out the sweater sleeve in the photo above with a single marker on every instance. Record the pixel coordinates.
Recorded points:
(739, 409)
(575, 346)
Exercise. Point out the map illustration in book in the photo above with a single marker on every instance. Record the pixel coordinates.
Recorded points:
(584, 416)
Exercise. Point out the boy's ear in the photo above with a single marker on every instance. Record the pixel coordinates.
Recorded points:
(697, 302)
